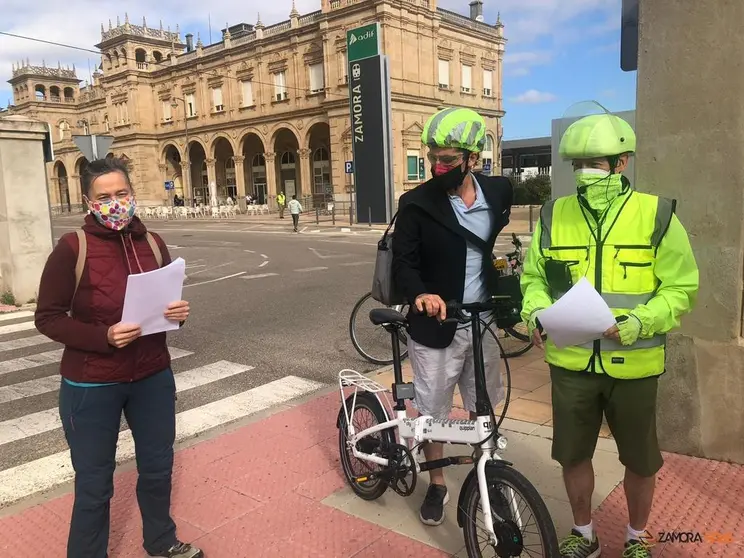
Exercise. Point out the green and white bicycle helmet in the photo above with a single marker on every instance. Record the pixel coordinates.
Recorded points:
(459, 128)
(598, 135)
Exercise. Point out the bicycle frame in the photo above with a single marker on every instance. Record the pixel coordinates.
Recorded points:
(414, 431)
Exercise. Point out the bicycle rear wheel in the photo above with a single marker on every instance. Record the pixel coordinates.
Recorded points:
(521, 519)
(373, 342)
(366, 413)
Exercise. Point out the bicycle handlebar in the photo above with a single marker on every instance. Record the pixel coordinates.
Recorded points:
(456, 309)
(478, 307)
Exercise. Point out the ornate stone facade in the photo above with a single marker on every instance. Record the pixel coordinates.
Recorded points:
(265, 109)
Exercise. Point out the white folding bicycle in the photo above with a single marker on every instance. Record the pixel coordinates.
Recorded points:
(492, 485)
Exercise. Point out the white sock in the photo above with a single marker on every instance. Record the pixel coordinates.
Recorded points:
(634, 535)
(587, 531)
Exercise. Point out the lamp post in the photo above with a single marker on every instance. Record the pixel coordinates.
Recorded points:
(187, 158)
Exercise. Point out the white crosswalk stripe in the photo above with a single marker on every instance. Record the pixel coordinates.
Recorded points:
(15, 328)
(24, 342)
(30, 418)
(15, 315)
(44, 421)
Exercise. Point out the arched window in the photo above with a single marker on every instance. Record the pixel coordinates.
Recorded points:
(322, 173)
(288, 158)
(64, 129)
(230, 179)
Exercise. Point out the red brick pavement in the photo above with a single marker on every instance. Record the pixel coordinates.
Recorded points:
(256, 492)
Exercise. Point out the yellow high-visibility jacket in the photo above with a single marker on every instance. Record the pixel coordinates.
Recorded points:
(638, 258)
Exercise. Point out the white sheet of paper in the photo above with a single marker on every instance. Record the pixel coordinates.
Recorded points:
(579, 316)
(149, 294)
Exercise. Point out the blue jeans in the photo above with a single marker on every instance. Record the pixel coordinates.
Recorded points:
(90, 418)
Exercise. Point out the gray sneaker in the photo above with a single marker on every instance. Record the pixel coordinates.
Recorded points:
(181, 550)
(576, 546)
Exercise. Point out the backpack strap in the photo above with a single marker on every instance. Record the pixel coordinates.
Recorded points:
(80, 264)
(155, 249)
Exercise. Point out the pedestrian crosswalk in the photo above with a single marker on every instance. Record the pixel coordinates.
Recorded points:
(33, 453)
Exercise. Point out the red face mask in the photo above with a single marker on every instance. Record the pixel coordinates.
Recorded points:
(439, 169)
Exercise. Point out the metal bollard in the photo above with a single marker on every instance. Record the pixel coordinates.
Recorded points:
(531, 223)
(317, 216)
(333, 214)
(369, 216)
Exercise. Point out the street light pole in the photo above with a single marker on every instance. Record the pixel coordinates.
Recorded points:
(187, 178)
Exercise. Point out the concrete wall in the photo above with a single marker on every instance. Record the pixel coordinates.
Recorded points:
(25, 222)
(691, 147)
(562, 177)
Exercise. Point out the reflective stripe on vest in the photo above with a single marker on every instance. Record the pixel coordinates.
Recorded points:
(665, 208)
(646, 356)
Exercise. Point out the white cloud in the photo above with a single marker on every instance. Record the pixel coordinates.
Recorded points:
(519, 64)
(78, 23)
(533, 97)
(529, 58)
(517, 72)
(526, 21)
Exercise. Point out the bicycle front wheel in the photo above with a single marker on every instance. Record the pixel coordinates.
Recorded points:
(521, 519)
(373, 342)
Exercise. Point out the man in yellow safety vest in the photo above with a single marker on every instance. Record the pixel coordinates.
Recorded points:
(281, 203)
(637, 255)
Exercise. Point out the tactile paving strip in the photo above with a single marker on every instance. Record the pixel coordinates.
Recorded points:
(698, 511)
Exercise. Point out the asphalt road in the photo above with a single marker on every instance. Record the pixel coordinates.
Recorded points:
(267, 305)
(270, 298)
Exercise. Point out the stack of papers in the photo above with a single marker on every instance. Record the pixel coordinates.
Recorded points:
(149, 294)
(579, 316)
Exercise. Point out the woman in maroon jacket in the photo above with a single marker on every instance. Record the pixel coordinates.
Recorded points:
(108, 368)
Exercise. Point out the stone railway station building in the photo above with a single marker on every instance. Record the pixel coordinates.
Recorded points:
(266, 109)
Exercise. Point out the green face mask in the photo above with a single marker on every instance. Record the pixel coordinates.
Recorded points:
(598, 187)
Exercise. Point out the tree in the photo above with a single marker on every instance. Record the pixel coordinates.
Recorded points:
(534, 190)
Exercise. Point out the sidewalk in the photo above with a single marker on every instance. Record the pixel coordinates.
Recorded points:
(274, 488)
(517, 225)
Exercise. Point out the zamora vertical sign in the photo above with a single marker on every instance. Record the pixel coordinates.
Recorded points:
(357, 119)
(370, 123)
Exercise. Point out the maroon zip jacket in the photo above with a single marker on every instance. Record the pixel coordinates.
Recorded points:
(98, 304)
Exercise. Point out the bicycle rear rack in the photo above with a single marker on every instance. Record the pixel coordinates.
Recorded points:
(351, 378)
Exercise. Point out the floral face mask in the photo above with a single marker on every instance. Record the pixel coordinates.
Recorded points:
(114, 214)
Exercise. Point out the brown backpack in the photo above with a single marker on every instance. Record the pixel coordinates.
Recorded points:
(83, 252)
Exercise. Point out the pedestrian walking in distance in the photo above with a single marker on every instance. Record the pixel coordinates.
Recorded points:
(109, 368)
(295, 208)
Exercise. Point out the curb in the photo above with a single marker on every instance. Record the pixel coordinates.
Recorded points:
(11, 309)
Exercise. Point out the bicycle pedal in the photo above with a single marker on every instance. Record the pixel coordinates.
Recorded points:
(367, 478)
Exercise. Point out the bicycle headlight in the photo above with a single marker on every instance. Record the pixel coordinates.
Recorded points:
(501, 443)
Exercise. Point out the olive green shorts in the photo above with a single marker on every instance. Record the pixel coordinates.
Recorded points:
(579, 401)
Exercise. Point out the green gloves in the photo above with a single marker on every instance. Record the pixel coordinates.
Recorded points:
(630, 330)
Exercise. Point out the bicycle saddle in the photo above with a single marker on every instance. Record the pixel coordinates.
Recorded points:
(380, 316)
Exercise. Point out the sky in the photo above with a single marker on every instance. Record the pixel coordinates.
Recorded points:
(559, 52)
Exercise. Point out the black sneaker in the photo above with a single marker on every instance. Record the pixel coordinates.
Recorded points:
(576, 546)
(636, 549)
(181, 550)
(432, 510)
